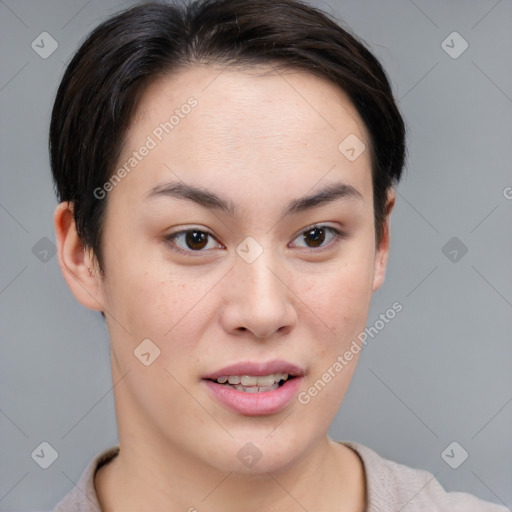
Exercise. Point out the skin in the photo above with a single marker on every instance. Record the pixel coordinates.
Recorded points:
(259, 141)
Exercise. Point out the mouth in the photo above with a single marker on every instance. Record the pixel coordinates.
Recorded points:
(254, 383)
(255, 389)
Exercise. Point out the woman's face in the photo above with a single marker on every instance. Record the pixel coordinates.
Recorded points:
(217, 266)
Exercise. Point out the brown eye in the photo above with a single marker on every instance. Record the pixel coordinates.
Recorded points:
(318, 238)
(192, 241)
(315, 236)
(196, 239)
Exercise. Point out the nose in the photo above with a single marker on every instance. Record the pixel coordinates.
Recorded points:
(258, 299)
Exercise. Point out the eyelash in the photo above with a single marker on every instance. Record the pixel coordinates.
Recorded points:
(337, 237)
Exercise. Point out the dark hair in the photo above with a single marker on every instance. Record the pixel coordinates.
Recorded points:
(101, 86)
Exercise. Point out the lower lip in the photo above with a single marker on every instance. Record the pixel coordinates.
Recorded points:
(256, 404)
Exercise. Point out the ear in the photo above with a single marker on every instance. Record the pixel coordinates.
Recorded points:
(382, 250)
(79, 267)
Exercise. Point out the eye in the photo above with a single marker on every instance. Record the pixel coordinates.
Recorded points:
(193, 240)
(315, 236)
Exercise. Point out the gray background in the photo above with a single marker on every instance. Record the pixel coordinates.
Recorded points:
(439, 372)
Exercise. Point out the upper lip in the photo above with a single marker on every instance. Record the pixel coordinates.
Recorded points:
(257, 369)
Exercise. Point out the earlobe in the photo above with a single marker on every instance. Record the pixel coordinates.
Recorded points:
(382, 251)
(78, 265)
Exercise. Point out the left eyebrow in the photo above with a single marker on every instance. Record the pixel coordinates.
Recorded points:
(211, 200)
(328, 194)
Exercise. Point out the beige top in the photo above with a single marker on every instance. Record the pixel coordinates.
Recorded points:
(391, 487)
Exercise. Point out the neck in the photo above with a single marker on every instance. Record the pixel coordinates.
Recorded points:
(330, 476)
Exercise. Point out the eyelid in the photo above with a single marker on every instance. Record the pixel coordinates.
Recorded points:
(338, 236)
(171, 236)
(315, 225)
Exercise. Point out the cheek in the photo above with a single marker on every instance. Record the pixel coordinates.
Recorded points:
(140, 289)
(156, 304)
(341, 303)
(341, 297)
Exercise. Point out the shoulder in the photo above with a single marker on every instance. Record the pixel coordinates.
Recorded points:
(392, 486)
(82, 497)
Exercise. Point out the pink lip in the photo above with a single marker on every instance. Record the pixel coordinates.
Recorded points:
(256, 369)
(256, 404)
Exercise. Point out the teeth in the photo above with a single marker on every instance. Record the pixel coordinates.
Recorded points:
(247, 380)
(256, 389)
(268, 380)
(250, 389)
(264, 381)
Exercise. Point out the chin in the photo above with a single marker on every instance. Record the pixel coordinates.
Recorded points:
(259, 455)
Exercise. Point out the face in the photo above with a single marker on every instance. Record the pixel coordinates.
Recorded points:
(239, 244)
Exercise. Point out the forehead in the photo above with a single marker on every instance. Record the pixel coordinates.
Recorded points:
(270, 96)
(208, 123)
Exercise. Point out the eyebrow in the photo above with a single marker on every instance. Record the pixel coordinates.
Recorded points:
(208, 199)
